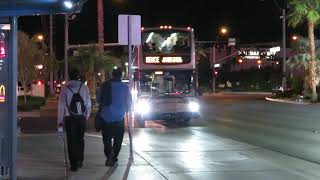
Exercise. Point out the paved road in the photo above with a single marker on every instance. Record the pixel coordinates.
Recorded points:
(287, 128)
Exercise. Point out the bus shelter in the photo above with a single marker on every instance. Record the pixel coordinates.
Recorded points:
(10, 10)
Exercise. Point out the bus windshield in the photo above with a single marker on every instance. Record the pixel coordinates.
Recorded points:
(167, 83)
(169, 41)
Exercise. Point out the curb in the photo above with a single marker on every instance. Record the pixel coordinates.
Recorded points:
(29, 114)
(230, 93)
(287, 101)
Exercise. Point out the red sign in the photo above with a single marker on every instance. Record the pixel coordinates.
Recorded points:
(2, 49)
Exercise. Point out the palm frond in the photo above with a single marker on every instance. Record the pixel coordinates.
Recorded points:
(313, 16)
(304, 10)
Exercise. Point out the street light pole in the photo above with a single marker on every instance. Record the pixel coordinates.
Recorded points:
(284, 64)
(213, 69)
(51, 54)
(284, 44)
(222, 31)
(66, 46)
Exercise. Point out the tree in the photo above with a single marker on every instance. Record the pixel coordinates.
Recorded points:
(89, 62)
(309, 11)
(30, 54)
(301, 60)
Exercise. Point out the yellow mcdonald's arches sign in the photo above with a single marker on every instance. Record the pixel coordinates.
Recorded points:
(2, 93)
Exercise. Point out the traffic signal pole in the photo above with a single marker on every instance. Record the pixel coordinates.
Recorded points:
(213, 69)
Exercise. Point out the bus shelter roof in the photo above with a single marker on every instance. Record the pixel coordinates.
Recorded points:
(36, 7)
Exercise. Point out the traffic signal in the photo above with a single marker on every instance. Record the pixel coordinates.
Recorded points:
(215, 72)
(259, 62)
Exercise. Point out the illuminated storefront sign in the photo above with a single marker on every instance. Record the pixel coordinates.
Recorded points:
(2, 50)
(254, 55)
(3, 53)
(2, 94)
(164, 60)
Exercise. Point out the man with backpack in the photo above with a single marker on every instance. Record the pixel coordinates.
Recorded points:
(73, 110)
(115, 101)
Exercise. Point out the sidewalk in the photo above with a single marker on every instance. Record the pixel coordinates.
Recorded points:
(41, 157)
(178, 154)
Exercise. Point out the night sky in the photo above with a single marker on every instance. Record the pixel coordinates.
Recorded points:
(250, 21)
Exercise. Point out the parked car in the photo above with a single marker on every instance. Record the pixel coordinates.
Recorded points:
(278, 92)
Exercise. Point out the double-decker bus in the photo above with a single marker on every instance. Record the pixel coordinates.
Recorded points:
(165, 75)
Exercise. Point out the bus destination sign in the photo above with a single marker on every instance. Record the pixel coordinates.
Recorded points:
(166, 59)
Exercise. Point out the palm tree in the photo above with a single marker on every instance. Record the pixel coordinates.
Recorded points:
(89, 62)
(307, 10)
(301, 60)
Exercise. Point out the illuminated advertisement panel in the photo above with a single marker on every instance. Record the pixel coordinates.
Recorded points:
(3, 69)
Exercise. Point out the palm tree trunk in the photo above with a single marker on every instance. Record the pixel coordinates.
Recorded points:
(90, 77)
(100, 26)
(312, 65)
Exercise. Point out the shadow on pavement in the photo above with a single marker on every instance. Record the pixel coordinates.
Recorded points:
(126, 174)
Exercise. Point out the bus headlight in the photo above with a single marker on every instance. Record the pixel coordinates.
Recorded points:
(194, 106)
(143, 107)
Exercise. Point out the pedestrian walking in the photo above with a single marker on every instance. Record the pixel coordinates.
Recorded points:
(115, 100)
(73, 110)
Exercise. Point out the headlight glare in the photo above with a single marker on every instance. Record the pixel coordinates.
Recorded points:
(143, 107)
(194, 106)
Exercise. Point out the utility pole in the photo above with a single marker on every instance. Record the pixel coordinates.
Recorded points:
(214, 69)
(51, 54)
(100, 26)
(66, 46)
(284, 64)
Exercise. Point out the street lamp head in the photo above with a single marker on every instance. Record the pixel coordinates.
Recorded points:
(68, 4)
(224, 30)
(40, 37)
(294, 38)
